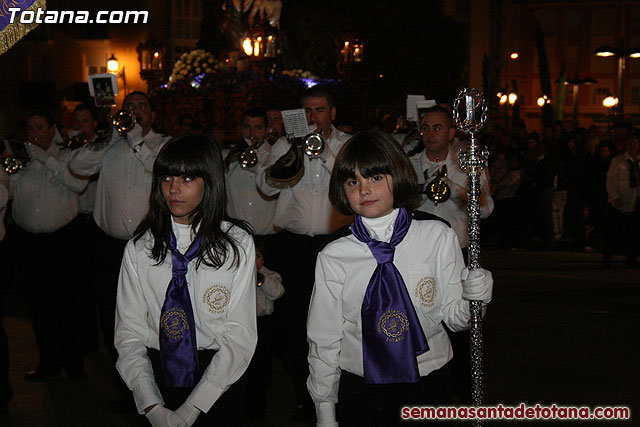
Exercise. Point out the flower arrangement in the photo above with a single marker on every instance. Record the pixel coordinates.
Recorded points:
(301, 74)
(193, 64)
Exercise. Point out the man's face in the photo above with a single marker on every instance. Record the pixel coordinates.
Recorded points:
(39, 132)
(83, 122)
(253, 129)
(139, 106)
(436, 132)
(319, 113)
(274, 121)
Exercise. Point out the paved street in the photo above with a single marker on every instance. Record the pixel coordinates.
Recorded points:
(560, 330)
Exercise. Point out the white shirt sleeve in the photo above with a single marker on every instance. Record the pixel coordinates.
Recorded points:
(61, 172)
(239, 342)
(131, 335)
(87, 161)
(277, 150)
(324, 332)
(455, 310)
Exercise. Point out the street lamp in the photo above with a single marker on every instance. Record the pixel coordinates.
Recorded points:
(576, 82)
(622, 53)
(112, 68)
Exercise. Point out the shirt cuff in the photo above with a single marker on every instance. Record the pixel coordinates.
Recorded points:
(326, 413)
(145, 394)
(204, 395)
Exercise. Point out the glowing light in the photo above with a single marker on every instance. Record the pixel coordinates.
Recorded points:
(605, 54)
(156, 54)
(610, 101)
(503, 99)
(112, 64)
(514, 55)
(512, 98)
(247, 46)
(541, 101)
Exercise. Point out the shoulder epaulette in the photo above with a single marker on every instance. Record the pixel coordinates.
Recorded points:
(340, 232)
(425, 216)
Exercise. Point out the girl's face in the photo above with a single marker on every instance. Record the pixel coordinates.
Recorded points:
(183, 195)
(370, 197)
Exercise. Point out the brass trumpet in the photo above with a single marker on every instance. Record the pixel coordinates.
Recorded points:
(76, 141)
(123, 121)
(437, 190)
(259, 279)
(313, 144)
(12, 165)
(249, 157)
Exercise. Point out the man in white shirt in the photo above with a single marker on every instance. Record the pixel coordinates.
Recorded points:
(437, 133)
(244, 200)
(122, 197)
(85, 124)
(305, 215)
(45, 202)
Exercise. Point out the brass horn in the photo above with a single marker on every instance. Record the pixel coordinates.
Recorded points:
(249, 157)
(123, 121)
(437, 190)
(13, 163)
(76, 141)
(313, 144)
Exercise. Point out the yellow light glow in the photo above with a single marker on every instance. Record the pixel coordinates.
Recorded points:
(605, 54)
(247, 46)
(512, 98)
(541, 101)
(635, 55)
(270, 38)
(514, 55)
(256, 47)
(156, 54)
(112, 64)
(381, 75)
(346, 44)
(610, 101)
(499, 94)
(503, 99)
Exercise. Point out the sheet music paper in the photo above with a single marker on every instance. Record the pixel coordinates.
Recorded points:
(295, 123)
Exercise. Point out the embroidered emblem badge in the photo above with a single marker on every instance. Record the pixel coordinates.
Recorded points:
(426, 291)
(217, 298)
(393, 324)
(174, 323)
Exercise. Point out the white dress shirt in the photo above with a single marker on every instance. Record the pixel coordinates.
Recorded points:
(45, 196)
(87, 199)
(305, 208)
(618, 184)
(124, 185)
(430, 261)
(270, 291)
(224, 310)
(244, 201)
(453, 210)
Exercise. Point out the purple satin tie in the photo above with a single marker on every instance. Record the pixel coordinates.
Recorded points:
(392, 336)
(178, 349)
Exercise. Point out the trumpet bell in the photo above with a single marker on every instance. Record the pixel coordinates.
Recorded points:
(249, 158)
(77, 141)
(438, 191)
(123, 121)
(313, 144)
(12, 165)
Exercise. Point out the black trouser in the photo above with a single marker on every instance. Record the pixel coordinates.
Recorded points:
(228, 409)
(48, 270)
(295, 261)
(88, 254)
(625, 229)
(257, 378)
(361, 404)
(5, 389)
(107, 267)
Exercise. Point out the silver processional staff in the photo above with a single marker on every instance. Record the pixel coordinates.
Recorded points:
(470, 114)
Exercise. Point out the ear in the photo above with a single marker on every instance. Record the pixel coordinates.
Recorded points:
(452, 133)
(333, 113)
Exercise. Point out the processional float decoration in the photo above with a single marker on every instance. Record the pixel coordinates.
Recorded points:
(12, 32)
(470, 114)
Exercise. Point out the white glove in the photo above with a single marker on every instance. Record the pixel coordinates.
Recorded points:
(188, 413)
(159, 416)
(326, 415)
(36, 153)
(134, 136)
(477, 285)
(457, 191)
(326, 154)
(327, 424)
